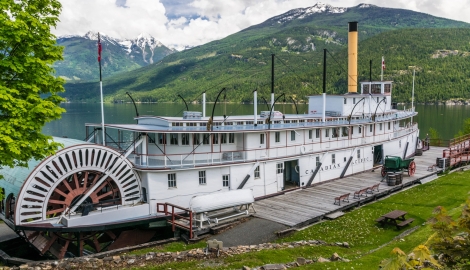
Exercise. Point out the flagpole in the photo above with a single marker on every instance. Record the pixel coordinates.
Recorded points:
(382, 69)
(413, 96)
(101, 91)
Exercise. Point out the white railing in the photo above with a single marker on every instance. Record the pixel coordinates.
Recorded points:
(215, 158)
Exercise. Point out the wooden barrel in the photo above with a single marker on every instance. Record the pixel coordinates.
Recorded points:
(399, 178)
(391, 179)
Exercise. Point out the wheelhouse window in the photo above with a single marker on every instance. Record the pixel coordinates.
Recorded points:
(376, 89)
(292, 135)
(257, 174)
(185, 139)
(174, 138)
(172, 180)
(225, 180)
(277, 136)
(387, 88)
(202, 177)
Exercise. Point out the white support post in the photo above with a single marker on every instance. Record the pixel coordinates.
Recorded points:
(255, 105)
(204, 104)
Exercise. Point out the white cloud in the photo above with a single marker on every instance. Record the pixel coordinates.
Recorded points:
(212, 19)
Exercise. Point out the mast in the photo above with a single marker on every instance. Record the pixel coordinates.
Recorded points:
(101, 91)
(324, 86)
(413, 96)
(272, 81)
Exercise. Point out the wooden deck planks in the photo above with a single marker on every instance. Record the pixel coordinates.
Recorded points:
(298, 207)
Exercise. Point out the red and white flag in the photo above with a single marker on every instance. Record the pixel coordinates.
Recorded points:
(99, 48)
(383, 63)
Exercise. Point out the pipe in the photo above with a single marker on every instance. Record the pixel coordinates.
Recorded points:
(352, 57)
(204, 104)
(255, 105)
(272, 81)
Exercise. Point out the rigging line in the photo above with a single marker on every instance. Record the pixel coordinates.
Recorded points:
(340, 66)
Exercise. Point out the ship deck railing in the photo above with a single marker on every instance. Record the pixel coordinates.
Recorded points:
(190, 160)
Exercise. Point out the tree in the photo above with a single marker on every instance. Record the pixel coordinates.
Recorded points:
(28, 89)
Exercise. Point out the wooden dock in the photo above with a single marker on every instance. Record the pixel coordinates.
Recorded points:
(300, 207)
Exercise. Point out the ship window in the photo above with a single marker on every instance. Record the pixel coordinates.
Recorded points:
(399, 143)
(151, 137)
(177, 124)
(174, 138)
(277, 136)
(292, 135)
(172, 180)
(240, 123)
(345, 101)
(388, 125)
(225, 180)
(380, 126)
(310, 134)
(317, 161)
(203, 124)
(333, 158)
(345, 131)
(261, 139)
(335, 132)
(228, 124)
(327, 132)
(352, 130)
(286, 121)
(260, 122)
(249, 122)
(376, 89)
(377, 99)
(162, 138)
(359, 129)
(365, 89)
(277, 122)
(185, 139)
(317, 133)
(231, 138)
(280, 167)
(191, 124)
(202, 177)
(196, 139)
(144, 195)
(257, 175)
(354, 100)
(358, 153)
(206, 138)
(215, 138)
(294, 121)
(387, 88)
(223, 138)
(370, 128)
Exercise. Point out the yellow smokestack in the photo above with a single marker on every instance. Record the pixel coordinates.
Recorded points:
(352, 57)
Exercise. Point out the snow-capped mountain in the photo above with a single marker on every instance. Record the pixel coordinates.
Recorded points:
(118, 54)
(301, 13)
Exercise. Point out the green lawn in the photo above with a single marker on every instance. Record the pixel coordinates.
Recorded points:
(358, 228)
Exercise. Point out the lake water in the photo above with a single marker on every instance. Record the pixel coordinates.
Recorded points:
(447, 120)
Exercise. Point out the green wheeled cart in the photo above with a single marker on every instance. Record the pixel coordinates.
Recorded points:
(397, 164)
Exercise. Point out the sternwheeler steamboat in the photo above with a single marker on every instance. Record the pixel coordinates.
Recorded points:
(100, 196)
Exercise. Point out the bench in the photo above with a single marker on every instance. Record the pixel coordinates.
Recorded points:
(380, 219)
(359, 193)
(344, 198)
(432, 167)
(404, 223)
(372, 188)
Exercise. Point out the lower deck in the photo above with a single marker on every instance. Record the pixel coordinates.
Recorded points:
(303, 206)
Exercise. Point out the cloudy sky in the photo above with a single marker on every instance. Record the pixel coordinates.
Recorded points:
(179, 23)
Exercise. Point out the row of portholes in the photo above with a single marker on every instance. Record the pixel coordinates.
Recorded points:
(7, 206)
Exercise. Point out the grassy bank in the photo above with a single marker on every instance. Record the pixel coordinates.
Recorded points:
(369, 243)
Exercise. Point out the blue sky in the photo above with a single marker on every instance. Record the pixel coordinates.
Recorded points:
(180, 23)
